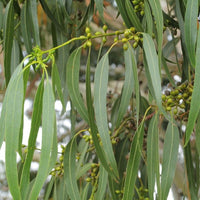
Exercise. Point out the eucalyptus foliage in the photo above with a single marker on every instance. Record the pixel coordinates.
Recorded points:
(130, 134)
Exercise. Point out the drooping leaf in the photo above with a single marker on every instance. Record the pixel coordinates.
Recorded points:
(133, 163)
(123, 12)
(194, 105)
(170, 153)
(72, 79)
(99, 5)
(148, 16)
(26, 23)
(152, 147)
(84, 195)
(8, 39)
(132, 16)
(191, 29)
(102, 183)
(197, 134)
(70, 170)
(33, 14)
(11, 116)
(127, 88)
(49, 188)
(153, 67)
(1, 15)
(158, 16)
(48, 137)
(94, 131)
(56, 82)
(15, 58)
(100, 91)
(190, 172)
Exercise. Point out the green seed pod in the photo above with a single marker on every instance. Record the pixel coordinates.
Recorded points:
(135, 2)
(125, 46)
(104, 40)
(124, 40)
(185, 95)
(105, 28)
(127, 33)
(169, 101)
(117, 191)
(87, 30)
(135, 45)
(168, 108)
(182, 105)
(88, 179)
(175, 111)
(164, 97)
(136, 38)
(179, 97)
(132, 29)
(89, 35)
(89, 43)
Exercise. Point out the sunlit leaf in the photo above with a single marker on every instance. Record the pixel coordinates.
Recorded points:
(170, 153)
(92, 123)
(8, 39)
(128, 86)
(100, 92)
(48, 137)
(11, 127)
(72, 78)
(191, 29)
(70, 170)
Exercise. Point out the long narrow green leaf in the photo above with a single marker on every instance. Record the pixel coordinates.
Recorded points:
(12, 120)
(25, 27)
(190, 172)
(191, 29)
(194, 105)
(127, 88)
(170, 153)
(35, 28)
(99, 5)
(15, 58)
(56, 82)
(123, 12)
(1, 15)
(158, 16)
(152, 147)
(133, 163)
(84, 195)
(94, 131)
(197, 134)
(72, 78)
(100, 91)
(48, 136)
(36, 120)
(152, 62)
(8, 39)
(102, 183)
(70, 170)
(148, 16)
(132, 16)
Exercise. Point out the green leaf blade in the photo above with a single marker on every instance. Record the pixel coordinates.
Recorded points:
(72, 79)
(100, 91)
(170, 153)
(194, 105)
(8, 39)
(12, 122)
(133, 163)
(48, 132)
(190, 29)
(70, 170)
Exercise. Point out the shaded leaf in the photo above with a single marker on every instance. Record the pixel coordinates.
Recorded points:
(102, 183)
(84, 195)
(152, 148)
(158, 17)
(48, 137)
(15, 58)
(72, 79)
(194, 105)
(133, 163)
(170, 153)
(70, 170)
(99, 5)
(8, 39)
(133, 16)
(190, 29)
(100, 92)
